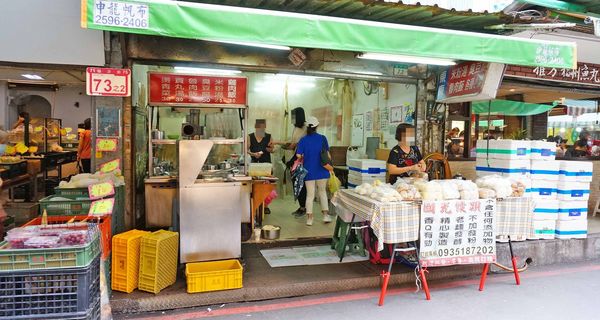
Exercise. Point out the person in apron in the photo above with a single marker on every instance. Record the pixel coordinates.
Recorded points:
(261, 144)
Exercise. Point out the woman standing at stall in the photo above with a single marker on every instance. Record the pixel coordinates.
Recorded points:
(299, 121)
(84, 150)
(261, 145)
(404, 158)
(310, 149)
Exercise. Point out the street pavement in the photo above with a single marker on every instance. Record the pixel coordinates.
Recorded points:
(558, 292)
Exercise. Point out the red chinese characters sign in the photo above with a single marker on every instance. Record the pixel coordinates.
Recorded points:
(466, 79)
(179, 89)
(586, 73)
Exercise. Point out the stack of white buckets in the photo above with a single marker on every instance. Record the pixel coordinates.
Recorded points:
(561, 189)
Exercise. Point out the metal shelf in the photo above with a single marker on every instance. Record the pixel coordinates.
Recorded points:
(164, 141)
(227, 141)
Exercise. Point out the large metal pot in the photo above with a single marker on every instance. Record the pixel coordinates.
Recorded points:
(270, 232)
(157, 134)
(211, 167)
(225, 165)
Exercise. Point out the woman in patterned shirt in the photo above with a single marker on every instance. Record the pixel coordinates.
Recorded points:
(404, 158)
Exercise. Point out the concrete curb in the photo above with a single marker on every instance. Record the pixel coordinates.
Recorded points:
(543, 252)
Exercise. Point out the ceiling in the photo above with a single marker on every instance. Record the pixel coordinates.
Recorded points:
(378, 10)
(51, 76)
(533, 94)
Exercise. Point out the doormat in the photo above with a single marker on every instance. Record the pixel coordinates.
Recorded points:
(306, 256)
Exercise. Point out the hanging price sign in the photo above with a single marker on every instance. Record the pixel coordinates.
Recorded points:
(101, 190)
(110, 166)
(108, 82)
(102, 207)
(106, 144)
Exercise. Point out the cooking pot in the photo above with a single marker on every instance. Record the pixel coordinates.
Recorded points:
(211, 167)
(157, 134)
(270, 232)
(225, 165)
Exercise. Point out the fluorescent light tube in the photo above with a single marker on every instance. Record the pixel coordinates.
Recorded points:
(32, 76)
(207, 71)
(258, 45)
(408, 59)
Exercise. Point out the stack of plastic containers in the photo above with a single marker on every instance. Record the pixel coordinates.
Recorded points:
(507, 158)
(573, 192)
(365, 171)
(39, 280)
(544, 182)
(126, 260)
(158, 260)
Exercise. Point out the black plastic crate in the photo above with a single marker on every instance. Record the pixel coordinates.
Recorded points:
(14, 169)
(68, 293)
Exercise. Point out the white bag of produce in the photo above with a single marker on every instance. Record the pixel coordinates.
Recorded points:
(431, 190)
(485, 193)
(502, 186)
(450, 189)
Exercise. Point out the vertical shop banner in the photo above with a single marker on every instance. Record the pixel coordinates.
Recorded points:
(358, 130)
(470, 81)
(457, 232)
(180, 89)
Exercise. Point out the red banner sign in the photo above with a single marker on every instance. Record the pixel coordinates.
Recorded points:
(586, 73)
(179, 89)
(465, 79)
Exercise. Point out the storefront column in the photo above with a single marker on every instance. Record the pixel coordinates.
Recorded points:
(4, 104)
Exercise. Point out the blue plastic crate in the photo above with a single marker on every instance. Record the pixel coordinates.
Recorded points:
(67, 293)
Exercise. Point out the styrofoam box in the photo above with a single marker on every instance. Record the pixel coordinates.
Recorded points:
(546, 210)
(503, 167)
(571, 229)
(580, 171)
(573, 190)
(368, 166)
(573, 210)
(543, 229)
(542, 150)
(545, 170)
(358, 179)
(543, 189)
(504, 149)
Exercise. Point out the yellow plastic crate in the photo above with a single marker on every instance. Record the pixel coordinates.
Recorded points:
(213, 276)
(126, 260)
(158, 260)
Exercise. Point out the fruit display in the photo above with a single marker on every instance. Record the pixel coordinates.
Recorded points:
(55, 236)
(10, 159)
(74, 237)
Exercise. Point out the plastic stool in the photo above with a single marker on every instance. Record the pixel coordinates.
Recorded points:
(345, 231)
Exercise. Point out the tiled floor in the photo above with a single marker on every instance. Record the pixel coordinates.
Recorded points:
(295, 228)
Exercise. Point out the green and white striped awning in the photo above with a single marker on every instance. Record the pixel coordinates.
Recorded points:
(235, 24)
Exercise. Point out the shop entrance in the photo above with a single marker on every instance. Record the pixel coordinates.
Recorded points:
(351, 113)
